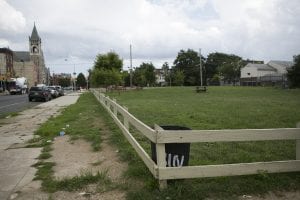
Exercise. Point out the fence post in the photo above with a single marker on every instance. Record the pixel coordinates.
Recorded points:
(99, 94)
(161, 159)
(115, 107)
(107, 103)
(101, 97)
(298, 145)
(126, 123)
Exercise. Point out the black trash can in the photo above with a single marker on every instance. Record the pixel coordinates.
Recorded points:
(177, 154)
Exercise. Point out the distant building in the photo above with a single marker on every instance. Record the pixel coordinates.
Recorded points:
(6, 63)
(272, 73)
(63, 79)
(63, 75)
(160, 77)
(29, 64)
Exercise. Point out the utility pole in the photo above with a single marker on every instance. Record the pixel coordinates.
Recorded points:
(74, 80)
(130, 67)
(200, 68)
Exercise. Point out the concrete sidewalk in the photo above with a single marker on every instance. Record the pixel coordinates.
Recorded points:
(16, 172)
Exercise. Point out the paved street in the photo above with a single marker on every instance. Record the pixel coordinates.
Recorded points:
(14, 103)
(15, 161)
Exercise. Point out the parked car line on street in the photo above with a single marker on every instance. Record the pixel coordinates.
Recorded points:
(39, 93)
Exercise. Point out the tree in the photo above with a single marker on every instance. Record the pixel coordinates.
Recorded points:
(63, 81)
(166, 73)
(212, 62)
(108, 61)
(81, 80)
(126, 78)
(107, 70)
(139, 78)
(104, 78)
(294, 73)
(177, 78)
(144, 75)
(188, 62)
(230, 70)
(227, 66)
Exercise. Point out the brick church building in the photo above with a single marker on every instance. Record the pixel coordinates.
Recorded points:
(29, 64)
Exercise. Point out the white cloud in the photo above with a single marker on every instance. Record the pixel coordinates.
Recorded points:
(10, 18)
(4, 43)
(158, 29)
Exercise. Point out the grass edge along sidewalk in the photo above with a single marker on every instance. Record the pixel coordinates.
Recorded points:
(86, 111)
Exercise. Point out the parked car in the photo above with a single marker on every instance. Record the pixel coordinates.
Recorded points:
(60, 90)
(53, 91)
(39, 93)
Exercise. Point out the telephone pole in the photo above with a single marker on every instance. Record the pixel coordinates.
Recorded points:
(201, 83)
(130, 67)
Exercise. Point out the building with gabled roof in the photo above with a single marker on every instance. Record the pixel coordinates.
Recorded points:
(281, 66)
(272, 73)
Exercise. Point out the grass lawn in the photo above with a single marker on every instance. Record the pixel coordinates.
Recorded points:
(221, 108)
(183, 106)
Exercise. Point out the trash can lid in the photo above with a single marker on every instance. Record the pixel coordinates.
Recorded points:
(174, 127)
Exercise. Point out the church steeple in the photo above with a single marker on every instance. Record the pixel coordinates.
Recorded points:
(34, 34)
(35, 42)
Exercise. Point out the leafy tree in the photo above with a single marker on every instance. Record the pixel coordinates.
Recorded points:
(62, 81)
(231, 69)
(294, 73)
(167, 73)
(177, 78)
(144, 75)
(108, 61)
(104, 78)
(126, 78)
(106, 70)
(139, 78)
(188, 62)
(81, 80)
(227, 66)
(212, 62)
(215, 80)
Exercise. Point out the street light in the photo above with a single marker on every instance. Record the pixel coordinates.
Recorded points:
(74, 77)
(74, 80)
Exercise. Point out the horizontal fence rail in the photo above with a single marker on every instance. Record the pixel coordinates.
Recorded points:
(161, 137)
(232, 135)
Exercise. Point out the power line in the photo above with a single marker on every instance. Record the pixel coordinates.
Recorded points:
(70, 63)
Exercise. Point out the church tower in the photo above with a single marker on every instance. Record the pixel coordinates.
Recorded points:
(37, 56)
(35, 42)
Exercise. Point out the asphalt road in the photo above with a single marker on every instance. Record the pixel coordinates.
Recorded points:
(14, 103)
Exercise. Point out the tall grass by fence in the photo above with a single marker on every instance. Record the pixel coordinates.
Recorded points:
(161, 137)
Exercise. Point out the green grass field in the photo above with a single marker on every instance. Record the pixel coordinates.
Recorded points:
(221, 108)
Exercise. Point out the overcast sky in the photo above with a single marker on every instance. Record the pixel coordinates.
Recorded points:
(73, 32)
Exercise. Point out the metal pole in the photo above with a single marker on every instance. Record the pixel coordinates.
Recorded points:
(130, 67)
(200, 69)
(170, 76)
(74, 81)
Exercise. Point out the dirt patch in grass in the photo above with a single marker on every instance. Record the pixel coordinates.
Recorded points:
(75, 157)
(112, 195)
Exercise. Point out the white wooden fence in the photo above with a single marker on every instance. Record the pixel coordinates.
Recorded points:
(160, 137)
